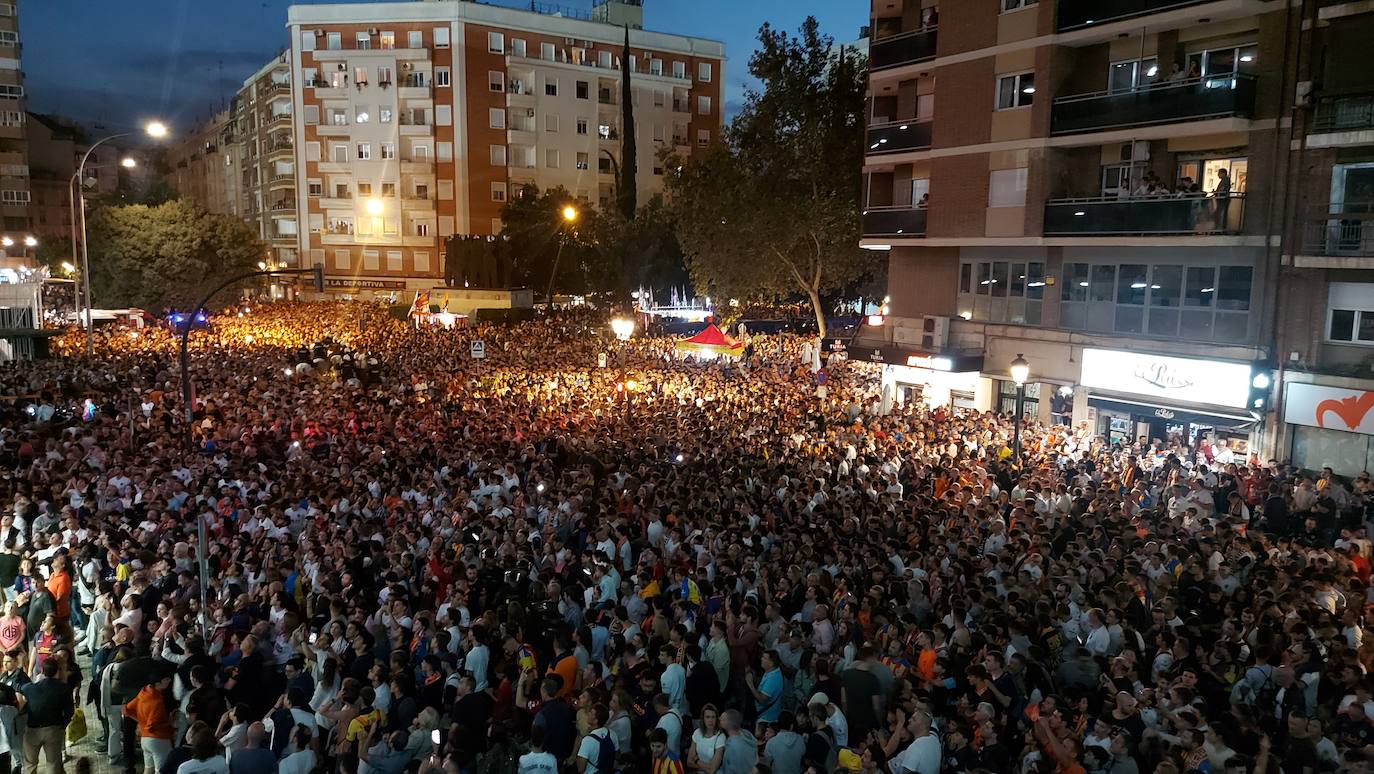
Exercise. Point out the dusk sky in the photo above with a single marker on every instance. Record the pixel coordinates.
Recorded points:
(117, 63)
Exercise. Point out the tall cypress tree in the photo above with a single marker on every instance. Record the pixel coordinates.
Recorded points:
(626, 194)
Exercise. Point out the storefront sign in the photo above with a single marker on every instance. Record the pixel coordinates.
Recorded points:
(365, 284)
(1332, 408)
(1214, 382)
(1164, 413)
(930, 361)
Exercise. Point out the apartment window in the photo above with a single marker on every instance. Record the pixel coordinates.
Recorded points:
(444, 151)
(658, 133)
(1132, 74)
(370, 258)
(441, 37)
(364, 189)
(679, 70)
(342, 191)
(391, 226)
(1014, 91)
(393, 260)
(384, 115)
(364, 41)
(703, 137)
(360, 76)
(384, 76)
(581, 160)
(582, 90)
(366, 227)
(389, 189)
(581, 126)
(498, 155)
(6, 9)
(421, 190)
(14, 197)
(421, 262)
(498, 192)
(416, 80)
(546, 52)
(341, 261)
(387, 40)
(1209, 303)
(11, 91)
(551, 158)
(603, 59)
(314, 188)
(704, 72)
(656, 66)
(703, 106)
(333, 41)
(364, 151)
(517, 47)
(660, 98)
(338, 79)
(551, 87)
(1223, 61)
(441, 76)
(361, 116)
(1007, 187)
(9, 38)
(338, 117)
(421, 228)
(388, 150)
(419, 153)
(496, 43)
(551, 122)
(1002, 291)
(604, 131)
(415, 39)
(1012, 5)
(1350, 313)
(496, 81)
(496, 118)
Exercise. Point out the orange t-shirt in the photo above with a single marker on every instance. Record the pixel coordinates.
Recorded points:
(565, 668)
(149, 709)
(60, 586)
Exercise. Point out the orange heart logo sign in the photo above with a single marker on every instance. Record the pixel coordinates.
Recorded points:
(1351, 410)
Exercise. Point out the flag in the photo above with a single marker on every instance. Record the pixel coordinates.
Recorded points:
(421, 304)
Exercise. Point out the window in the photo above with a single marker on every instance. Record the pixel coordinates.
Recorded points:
(703, 137)
(1166, 300)
(657, 132)
(551, 158)
(1007, 187)
(496, 118)
(421, 228)
(370, 260)
(384, 76)
(361, 116)
(314, 188)
(441, 75)
(341, 261)
(1002, 291)
(498, 155)
(679, 70)
(387, 40)
(1014, 91)
(388, 150)
(14, 197)
(517, 47)
(393, 260)
(338, 79)
(581, 126)
(582, 90)
(604, 131)
(1222, 62)
(496, 43)
(415, 39)
(703, 106)
(364, 41)
(339, 154)
(360, 76)
(334, 41)
(1013, 5)
(419, 153)
(546, 52)
(341, 191)
(444, 151)
(364, 189)
(364, 151)
(1128, 76)
(551, 87)
(384, 115)
(660, 98)
(704, 72)
(421, 190)
(391, 226)
(441, 37)
(389, 189)
(581, 160)
(338, 117)
(498, 192)
(656, 66)
(421, 262)
(496, 82)
(603, 59)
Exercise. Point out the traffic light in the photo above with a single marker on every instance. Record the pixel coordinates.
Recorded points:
(1260, 383)
(318, 273)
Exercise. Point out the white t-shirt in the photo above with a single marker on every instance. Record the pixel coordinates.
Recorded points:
(532, 763)
(302, 762)
(706, 746)
(590, 749)
(922, 757)
(215, 765)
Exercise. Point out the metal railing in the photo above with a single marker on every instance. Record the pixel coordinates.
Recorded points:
(1172, 215)
(894, 136)
(914, 46)
(1076, 14)
(898, 220)
(1343, 114)
(1349, 232)
(1216, 96)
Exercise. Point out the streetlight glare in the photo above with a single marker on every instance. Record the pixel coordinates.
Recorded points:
(374, 206)
(1020, 370)
(128, 162)
(155, 129)
(7, 242)
(68, 267)
(569, 213)
(30, 241)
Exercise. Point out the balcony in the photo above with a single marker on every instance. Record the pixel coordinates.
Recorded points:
(898, 220)
(681, 106)
(284, 205)
(1171, 216)
(281, 181)
(278, 120)
(1077, 14)
(895, 136)
(1342, 121)
(414, 91)
(413, 201)
(1227, 96)
(914, 46)
(1345, 234)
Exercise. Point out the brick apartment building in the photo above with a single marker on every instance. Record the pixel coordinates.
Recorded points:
(1028, 181)
(15, 192)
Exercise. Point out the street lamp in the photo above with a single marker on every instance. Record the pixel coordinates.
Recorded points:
(374, 206)
(1020, 371)
(569, 214)
(156, 130)
(128, 162)
(623, 328)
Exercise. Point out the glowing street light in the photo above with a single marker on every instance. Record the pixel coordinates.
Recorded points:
(569, 213)
(623, 328)
(128, 162)
(68, 267)
(1020, 371)
(155, 129)
(7, 242)
(374, 206)
(30, 241)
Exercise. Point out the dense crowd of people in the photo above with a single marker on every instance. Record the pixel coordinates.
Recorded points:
(582, 555)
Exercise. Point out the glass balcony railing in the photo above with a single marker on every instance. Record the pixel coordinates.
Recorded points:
(897, 136)
(900, 220)
(1077, 14)
(1179, 216)
(914, 46)
(1219, 96)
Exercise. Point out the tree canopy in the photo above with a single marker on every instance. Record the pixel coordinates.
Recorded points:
(773, 210)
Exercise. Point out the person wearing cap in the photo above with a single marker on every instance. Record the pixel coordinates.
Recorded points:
(831, 716)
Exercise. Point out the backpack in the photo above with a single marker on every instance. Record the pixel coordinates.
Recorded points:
(605, 752)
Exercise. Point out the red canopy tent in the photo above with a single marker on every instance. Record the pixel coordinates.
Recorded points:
(711, 342)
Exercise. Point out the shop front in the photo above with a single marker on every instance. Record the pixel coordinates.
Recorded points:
(1330, 426)
(1192, 402)
(933, 378)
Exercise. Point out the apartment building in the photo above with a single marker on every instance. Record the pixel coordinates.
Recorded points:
(15, 192)
(1104, 188)
(417, 121)
(204, 165)
(267, 186)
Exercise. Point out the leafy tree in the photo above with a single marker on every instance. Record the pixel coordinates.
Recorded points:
(773, 210)
(533, 228)
(165, 255)
(642, 252)
(627, 192)
(53, 252)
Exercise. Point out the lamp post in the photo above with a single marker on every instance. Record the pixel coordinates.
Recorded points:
(1020, 370)
(154, 129)
(569, 215)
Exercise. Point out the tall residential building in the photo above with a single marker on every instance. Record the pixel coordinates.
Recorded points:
(1104, 187)
(267, 161)
(15, 192)
(417, 121)
(203, 164)
(56, 145)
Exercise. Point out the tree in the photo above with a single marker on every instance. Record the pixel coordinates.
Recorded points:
(533, 228)
(627, 191)
(165, 255)
(642, 252)
(774, 209)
